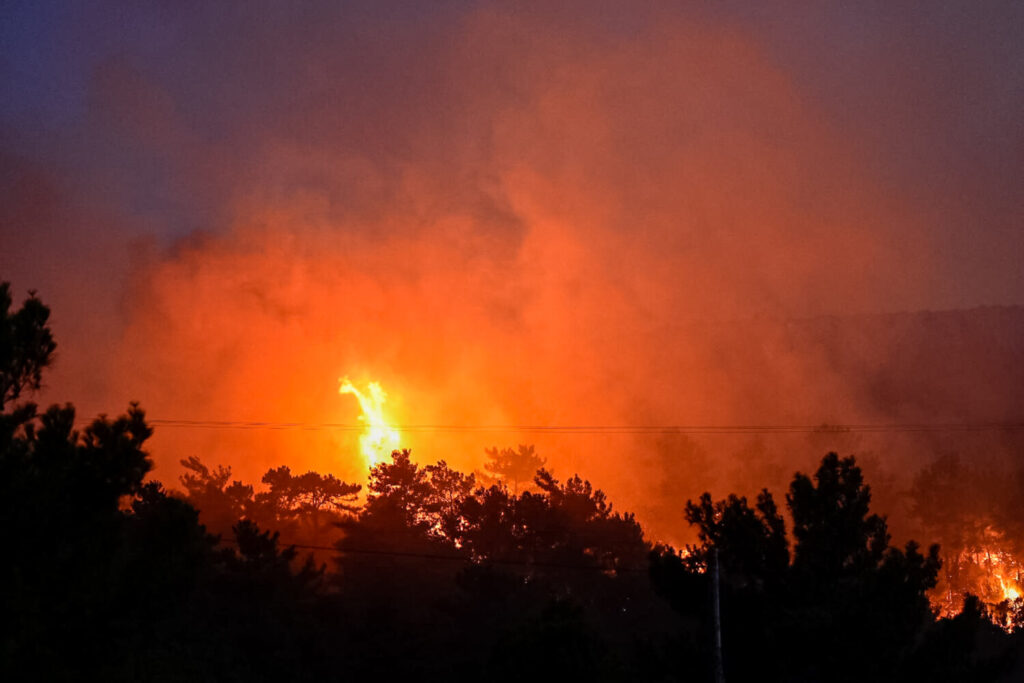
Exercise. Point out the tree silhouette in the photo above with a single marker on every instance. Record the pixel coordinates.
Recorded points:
(222, 502)
(845, 592)
(833, 529)
(585, 524)
(60, 502)
(302, 507)
(110, 577)
(164, 557)
(26, 345)
(308, 493)
(968, 647)
(415, 502)
(751, 543)
(308, 502)
(259, 559)
(404, 520)
(107, 577)
(513, 466)
(848, 581)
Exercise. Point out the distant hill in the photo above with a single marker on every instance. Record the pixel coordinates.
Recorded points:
(961, 365)
(928, 366)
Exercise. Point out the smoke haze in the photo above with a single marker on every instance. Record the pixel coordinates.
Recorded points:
(522, 214)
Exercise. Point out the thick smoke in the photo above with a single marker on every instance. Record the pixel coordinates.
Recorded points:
(509, 215)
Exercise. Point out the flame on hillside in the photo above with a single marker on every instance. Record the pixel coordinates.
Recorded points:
(379, 438)
(990, 572)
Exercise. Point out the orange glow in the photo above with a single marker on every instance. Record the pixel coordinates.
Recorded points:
(598, 245)
(378, 438)
(1011, 590)
(991, 573)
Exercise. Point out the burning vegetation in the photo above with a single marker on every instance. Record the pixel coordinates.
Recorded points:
(972, 511)
(754, 276)
(989, 572)
(493, 576)
(379, 439)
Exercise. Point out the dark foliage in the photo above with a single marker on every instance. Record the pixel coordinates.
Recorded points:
(436, 577)
(513, 467)
(26, 345)
(846, 606)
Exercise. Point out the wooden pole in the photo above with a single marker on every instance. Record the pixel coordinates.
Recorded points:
(717, 615)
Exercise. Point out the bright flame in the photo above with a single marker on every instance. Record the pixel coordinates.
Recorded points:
(1010, 591)
(378, 438)
(988, 571)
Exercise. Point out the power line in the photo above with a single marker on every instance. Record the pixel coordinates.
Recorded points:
(598, 429)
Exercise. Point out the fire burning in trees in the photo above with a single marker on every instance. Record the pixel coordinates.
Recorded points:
(522, 247)
(990, 572)
(379, 438)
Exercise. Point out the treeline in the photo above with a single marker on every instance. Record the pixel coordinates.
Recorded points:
(438, 574)
(973, 509)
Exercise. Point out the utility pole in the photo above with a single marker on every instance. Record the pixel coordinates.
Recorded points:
(716, 610)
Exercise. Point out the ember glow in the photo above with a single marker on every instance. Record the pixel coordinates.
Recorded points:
(378, 438)
(665, 248)
(652, 215)
(990, 572)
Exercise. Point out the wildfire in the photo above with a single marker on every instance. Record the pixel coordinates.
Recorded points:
(990, 572)
(378, 438)
(1009, 590)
